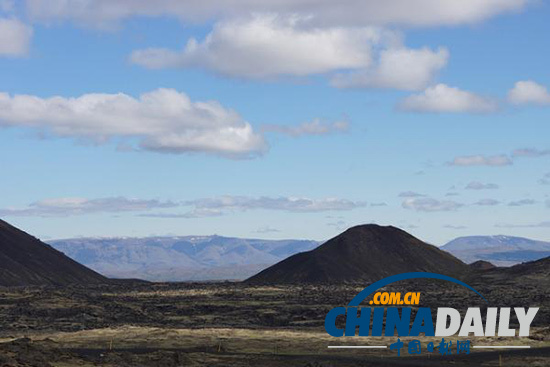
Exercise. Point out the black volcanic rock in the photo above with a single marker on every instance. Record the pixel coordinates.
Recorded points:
(538, 270)
(523, 277)
(365, 253)
(25, 260)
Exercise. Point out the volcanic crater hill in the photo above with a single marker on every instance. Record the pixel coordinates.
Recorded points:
(364, 253)
(482, 265)
(25, 260)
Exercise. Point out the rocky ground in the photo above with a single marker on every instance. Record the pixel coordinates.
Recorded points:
(231, 324)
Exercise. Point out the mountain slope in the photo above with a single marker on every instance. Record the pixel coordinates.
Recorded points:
(521, 276)
(364, 253)
(180, 258)
(498, 250)
(25, 260)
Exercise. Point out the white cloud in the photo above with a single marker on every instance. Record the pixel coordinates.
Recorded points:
(481, 160)
(200, 208)
(213, 207)
(430, 205)
(271, 46)
(476, 185)
(378, 204)
(267, 229)
(196, 213)
(444, 99)
(452, 226)
(410, 194)
(289, 204)
(534, 225)
(162, 120)
(399, 68)
(78, 206)
(106, 13)
(487, 202)
(315, 127)
(268, 46)
(530, 153)
(522, 202)
(529, 92)
(15, 37)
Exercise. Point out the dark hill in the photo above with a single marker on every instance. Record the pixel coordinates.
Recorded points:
(25, 260)
(364, 253)
(539, 268)
(520, 275)
(482, 265)
(530, 281)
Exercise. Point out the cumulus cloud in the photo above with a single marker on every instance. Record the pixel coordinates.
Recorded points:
(529, 92)
(399, 68)
(315, 127)
(522, 202)
(444, 99)
(530, 153)
(77, 206)
(15, 37)
(481, 160)
(476, 185)
(162, 120)
(107, 13)
(430, 205)
(267, 46)
(487, 202)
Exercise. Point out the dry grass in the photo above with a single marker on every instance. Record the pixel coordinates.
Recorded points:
(246, 341)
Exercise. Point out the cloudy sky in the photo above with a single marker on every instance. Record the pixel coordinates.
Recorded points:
(275, 119)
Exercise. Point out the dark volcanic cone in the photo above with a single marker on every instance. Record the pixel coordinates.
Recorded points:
(365, 253)
(25, 260)
(482, 265)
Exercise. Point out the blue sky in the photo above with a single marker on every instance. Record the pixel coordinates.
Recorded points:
(280, 120)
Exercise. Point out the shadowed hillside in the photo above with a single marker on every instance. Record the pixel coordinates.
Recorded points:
(25, 260)
(364, 253)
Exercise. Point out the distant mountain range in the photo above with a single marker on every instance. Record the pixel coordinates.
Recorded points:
(362, 254)
(498, 250)
(180, 258)
(197, 258)
(25, 260)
